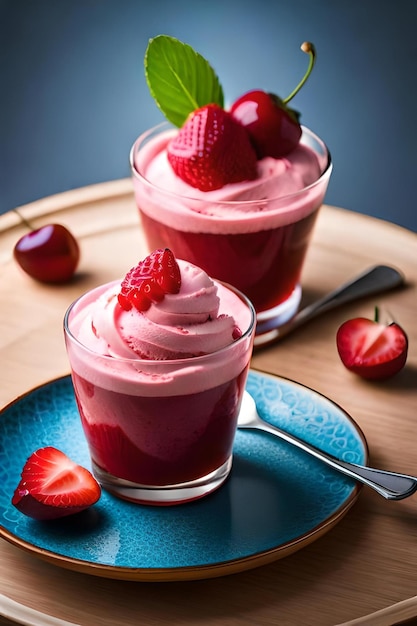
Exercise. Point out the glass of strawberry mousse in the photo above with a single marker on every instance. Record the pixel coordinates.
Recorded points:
(159, 387)
(253, 234)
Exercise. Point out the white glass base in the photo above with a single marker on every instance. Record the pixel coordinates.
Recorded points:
(269, 321)
(164, 495)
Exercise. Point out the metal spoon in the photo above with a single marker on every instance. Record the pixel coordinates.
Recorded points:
(391, 485)
(374, 280)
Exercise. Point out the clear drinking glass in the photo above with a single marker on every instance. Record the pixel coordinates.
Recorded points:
(160, 432)
(258, 244)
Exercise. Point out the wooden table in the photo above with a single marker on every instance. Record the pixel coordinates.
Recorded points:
(363, 565)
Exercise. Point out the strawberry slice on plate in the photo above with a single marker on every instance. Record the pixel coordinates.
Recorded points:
(148, 282)
(371, 349)
(212, 149)
(53, 486)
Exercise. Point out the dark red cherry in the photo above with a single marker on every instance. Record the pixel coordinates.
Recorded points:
(273, 127)
(49, 254)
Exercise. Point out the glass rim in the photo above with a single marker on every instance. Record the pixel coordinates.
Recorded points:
(162, 362)
(195, 198)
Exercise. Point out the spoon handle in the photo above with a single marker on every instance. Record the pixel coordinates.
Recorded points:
(374, 280)
(391, 485)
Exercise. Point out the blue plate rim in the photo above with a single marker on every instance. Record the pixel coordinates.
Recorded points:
(193, 572)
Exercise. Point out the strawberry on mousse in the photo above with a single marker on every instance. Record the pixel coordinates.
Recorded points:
(211, 150)
(163, 309)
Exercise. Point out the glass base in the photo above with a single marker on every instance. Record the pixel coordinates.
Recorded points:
(165, 495)
(269, 321)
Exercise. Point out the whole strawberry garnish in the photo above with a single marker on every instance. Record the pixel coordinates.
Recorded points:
(53, 486)
(149, 281)
(272, 125)
(211, 150)
(371, 349)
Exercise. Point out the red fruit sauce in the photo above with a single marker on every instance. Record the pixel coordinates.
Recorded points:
(264, 265)
(159, 440)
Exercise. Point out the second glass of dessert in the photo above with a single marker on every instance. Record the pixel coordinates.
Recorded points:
(237, 192)
(159, 363)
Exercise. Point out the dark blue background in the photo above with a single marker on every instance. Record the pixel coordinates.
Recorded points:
(74, 97)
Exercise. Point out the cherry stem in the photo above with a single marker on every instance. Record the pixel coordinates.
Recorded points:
(309, 49)
(23, 220)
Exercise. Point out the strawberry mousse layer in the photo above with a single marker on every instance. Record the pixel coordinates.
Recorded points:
(136, 349)
(285, 190)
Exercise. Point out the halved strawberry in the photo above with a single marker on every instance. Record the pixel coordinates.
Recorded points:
(371, 349)
(155, 276)
(212, 149)
(53, 486)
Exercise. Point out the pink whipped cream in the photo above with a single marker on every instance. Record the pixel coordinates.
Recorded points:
(182, 325)
(238, 207)
(203, 318)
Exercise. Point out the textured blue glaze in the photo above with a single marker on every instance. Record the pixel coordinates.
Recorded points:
(275, 495)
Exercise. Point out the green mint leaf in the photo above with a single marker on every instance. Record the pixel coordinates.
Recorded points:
(179, 79)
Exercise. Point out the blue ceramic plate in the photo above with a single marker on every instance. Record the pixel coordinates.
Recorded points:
(276, 500)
